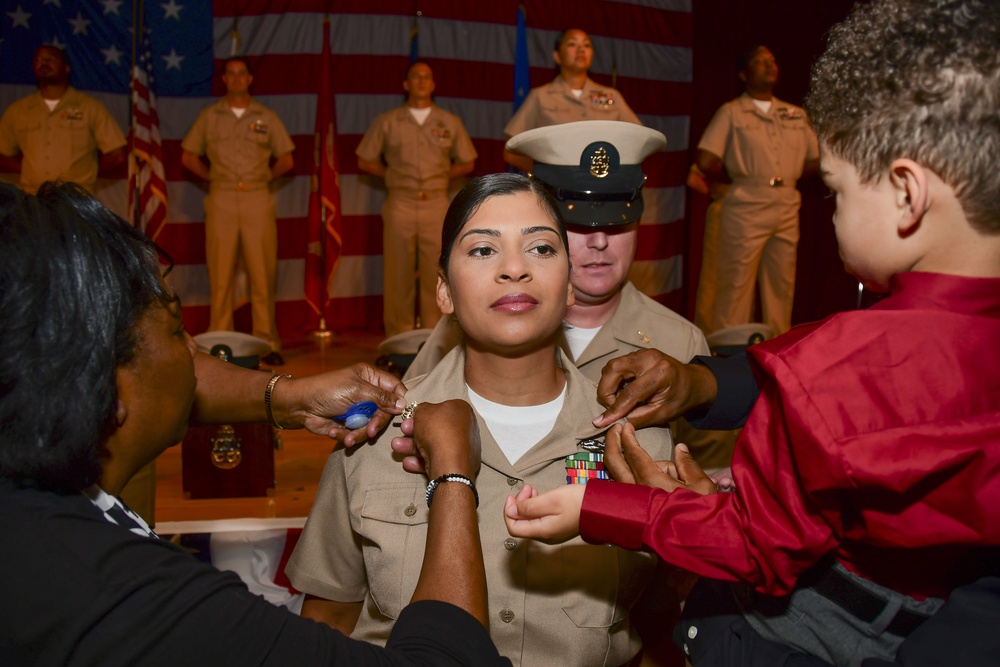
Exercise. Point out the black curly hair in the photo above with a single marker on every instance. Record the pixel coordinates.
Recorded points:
(917, 79)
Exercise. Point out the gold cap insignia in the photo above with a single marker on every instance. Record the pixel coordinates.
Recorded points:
(600, 163)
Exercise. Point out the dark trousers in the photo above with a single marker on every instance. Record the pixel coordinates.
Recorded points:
(713, 633)
(963, 633)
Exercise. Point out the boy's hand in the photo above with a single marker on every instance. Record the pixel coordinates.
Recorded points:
(628, 462)
(551, 517)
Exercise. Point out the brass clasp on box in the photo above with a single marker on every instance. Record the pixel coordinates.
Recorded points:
(226, 452)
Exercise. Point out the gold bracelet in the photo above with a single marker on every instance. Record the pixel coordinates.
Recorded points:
(267, 399)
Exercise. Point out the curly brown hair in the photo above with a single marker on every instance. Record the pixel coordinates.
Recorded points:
(917, 79)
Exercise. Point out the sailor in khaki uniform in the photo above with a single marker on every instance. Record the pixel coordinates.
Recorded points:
(60, 133)
(240, 136)
(505, 276)
(572, 96)
(764, 145)
(549, 605)
(417, 148)
(610, 317)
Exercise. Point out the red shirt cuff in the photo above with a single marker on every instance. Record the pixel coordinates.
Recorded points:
(615, 513)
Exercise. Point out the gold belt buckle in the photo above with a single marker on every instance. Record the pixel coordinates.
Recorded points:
(241, 186)
(775, 182)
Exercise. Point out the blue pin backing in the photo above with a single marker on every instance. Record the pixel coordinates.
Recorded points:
(357, 415)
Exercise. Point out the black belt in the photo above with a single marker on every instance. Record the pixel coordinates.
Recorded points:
(863, 603)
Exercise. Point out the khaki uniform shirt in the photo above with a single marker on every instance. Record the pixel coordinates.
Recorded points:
(555, 104)
(756, 146)
(61, 144)
(638, 323)
(418, 157)
(548, 605)
(240, 149)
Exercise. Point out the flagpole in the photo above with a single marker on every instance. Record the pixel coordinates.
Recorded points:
(322, 332)
(135, 209)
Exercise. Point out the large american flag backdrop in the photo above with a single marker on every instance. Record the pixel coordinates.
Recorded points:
(644, 45)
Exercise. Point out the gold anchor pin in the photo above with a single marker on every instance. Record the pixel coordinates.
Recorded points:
(643, 337)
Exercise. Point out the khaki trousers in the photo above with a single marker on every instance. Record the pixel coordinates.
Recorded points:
(411, 248)
(758, 237)
(242, 222)
(709, 277)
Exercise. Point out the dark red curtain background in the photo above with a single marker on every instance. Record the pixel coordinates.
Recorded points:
(796, 32)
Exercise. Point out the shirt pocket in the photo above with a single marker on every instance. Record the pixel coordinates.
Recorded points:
(556, 110)
(748, 129)
(796, 132)
(601, 583)
(258, 137)
(26, 129)
(76, 129)
(393, 531)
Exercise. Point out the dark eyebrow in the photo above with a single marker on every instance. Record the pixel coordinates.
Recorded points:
(487, 232)
(537, 229)
(524, 231)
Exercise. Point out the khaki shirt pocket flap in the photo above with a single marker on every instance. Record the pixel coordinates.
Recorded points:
(402, 504)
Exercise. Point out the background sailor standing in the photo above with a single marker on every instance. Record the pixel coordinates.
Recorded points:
(418, 148)
(762, 145)
(571, 96)
(240, 136)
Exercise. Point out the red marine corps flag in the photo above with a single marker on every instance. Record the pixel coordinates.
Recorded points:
(323, 252)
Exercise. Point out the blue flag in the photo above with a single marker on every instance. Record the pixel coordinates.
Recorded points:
(414, 43)
(521, 78)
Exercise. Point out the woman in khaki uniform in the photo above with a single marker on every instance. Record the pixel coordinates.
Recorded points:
(572, 96)
(505, 277)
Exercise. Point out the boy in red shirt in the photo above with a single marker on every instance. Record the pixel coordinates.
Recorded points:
(868, 474)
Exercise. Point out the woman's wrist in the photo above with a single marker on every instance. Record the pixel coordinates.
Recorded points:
(451, 478)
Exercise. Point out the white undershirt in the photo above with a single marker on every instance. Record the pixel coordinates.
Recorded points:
(763, 105)
(517, 428)
(239, 112)
(576, 93)
(578, 338)
(51, 104)
(420, 115)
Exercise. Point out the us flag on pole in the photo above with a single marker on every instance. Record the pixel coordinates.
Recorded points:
(146, 166)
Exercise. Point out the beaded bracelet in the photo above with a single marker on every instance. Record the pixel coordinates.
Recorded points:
(451, 477)
(267, 399)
